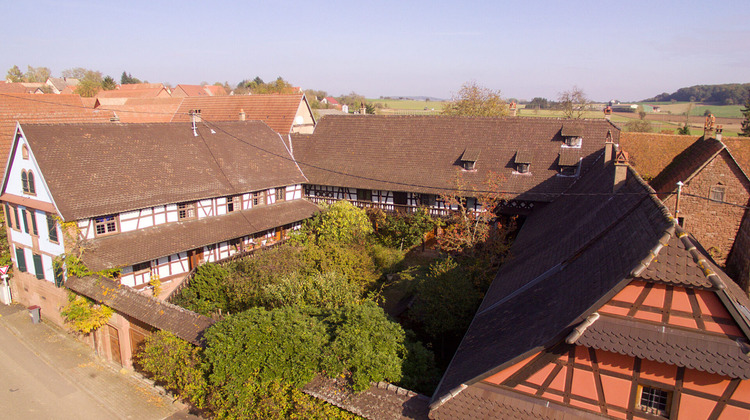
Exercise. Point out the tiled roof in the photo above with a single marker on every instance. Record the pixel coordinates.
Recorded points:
(675, 265)
(189, 90)
(185, 324)
(572, 129)
(29, 108)
(570, 256)
(421, 153)
(99, 169)
(661, 343)
(143, 110)
(278, 111)
(740, 149)
(15, 88)
(522, 156)
(484, 401)
(686, 164)
(570, 156)
(381, 401)
(214, 90)
(139, 86)
(130, 93)
(650, 153)
(160, 241)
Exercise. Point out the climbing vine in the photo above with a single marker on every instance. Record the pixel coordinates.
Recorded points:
(84, 314)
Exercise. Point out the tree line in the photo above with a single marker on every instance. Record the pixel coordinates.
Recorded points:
(724, 94)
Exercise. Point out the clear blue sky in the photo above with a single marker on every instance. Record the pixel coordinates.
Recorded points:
(627, 50)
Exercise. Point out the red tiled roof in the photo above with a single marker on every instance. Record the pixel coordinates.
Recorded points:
(278, 111)
(130, 93)
(138, 86)
(189, 90)
(98, 169)
(30, 108)
(15, 88)
(686, 164)
(214, 90)
(144, 110)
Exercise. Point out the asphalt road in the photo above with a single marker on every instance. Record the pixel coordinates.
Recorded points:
(32, 389)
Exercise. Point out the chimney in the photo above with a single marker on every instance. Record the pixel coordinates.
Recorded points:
(242, 115)
(719, 129)
(362, 108)
(609, 145)
(621, 170)
(708, 127)
(513, 109)
(608, 113)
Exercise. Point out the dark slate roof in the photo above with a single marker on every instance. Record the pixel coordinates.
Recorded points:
(570, 156)
(569, 258)
(159, 241)
(686, 164)
(484, 401)
(382, 401)
(185, 324)
(675, 346)
(422, 153)
(675, 265)
(99, 169)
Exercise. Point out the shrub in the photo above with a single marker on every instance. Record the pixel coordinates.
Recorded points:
(320, 290)
(387, 260)
(85, 315)
(340, 222)
(207, 291)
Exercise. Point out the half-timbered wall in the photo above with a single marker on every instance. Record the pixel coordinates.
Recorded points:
(385, 199)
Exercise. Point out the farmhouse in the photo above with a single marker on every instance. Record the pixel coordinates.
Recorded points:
(609, 309)
(154, 200)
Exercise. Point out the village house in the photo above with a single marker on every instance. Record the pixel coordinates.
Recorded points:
(59, 85)
(404, 162)
(608, 309)
(181, 91)
(152, 200)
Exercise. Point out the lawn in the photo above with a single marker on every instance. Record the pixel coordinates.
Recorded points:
(679, 108)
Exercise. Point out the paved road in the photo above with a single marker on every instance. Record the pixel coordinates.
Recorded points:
(46, 373)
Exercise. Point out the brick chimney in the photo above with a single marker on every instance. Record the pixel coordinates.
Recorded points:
(719, 129)
(608, 113)
(362, 108)
(609, 146)
(621, 170)
(242, 115)
(708, 127)
(513, 107)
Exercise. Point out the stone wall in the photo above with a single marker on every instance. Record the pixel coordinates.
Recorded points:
(738, 263)
(714, 224)
(27, 290)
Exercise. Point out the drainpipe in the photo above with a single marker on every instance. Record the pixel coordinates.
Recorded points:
(677, 201)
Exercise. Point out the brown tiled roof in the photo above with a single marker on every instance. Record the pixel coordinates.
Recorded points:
(675, 265)
(570, 156)
(189, 90)
(572, 129)
(382, 401)
(471, 155)
(685, 165)
(130, 93)
(484, 401)
(740, 149)
(143, 110)
(29, 108)
(650, 153)
(422, 153)
(15, 88)
(160, 241)
(278, 111)
(140, 86)
(99, 169)
(185, 324)
(661, 343)
(522, 156)
(214, 90)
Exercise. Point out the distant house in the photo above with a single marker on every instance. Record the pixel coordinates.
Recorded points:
(181, 91)
(140, 90)
(608, 309)
(329, 100)
(59, 84)
(143, 198)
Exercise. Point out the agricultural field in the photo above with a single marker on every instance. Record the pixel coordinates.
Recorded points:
(679, 108)
(406, 106)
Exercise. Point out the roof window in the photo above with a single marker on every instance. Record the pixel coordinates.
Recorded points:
(522, 161)
(572, 135)
(469, 159)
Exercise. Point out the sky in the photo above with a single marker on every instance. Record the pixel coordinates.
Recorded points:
(626, 50)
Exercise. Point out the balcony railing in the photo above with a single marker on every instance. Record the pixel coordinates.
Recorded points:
(386, 207)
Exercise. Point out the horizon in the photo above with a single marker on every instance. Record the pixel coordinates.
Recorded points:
(627, 52)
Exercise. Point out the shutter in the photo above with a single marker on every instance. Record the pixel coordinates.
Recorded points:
(38, 266)
(21, 259)
(52, 228)
(25, 221)
(34, 230)
(59, 280)
(8, 220)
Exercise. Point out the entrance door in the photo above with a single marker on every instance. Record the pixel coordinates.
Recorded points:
(114, 344)
(195, 258)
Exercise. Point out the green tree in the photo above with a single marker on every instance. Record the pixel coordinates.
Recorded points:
(327, 290)
(477, 101)
(340, 222)
(109, 83)
(574, 103)
(128, 79)
(745, 132)
(88, 88)
(684, 130)
(36, 74)
(14, 75)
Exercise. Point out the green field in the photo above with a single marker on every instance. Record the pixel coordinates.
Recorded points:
(679, 108)
(408, 104)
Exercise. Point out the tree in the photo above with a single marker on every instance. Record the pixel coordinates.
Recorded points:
(574, 103)
(128, 79)
(14, 75)
(90, 81)
(109, 83)
(257, 86)
(538, 103)
(36, 74)
(745, 132)
(341, 222)
(477, 101)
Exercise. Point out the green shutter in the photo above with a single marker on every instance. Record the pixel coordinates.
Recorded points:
(14, 213)
(8, 220)
(52, 228)
(25, 221)
(21, 259)
(59, 280)
(32, 213)
(38, 267)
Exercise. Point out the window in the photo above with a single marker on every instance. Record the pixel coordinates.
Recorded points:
(25, 221)
(21, 259)
(573, 141)
(25, 152)
(38, 269)
(281, 194)
(105, 225)
(32, 188)
(568, 170)
(233, 203)
(185, 211)
(32, 217)
(13, 218)
(142, 267)
(364, 195)
(654, 400)
(468, 165)
(8, 218)
(716, 193)
(52, 228)
(523, 168)
(427, 200)
(59, 277)
(259, 198)
(27, 182)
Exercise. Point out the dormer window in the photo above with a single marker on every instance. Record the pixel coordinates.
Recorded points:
(572, 135)
(568, 161)
(522, 161)
(469, 159)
